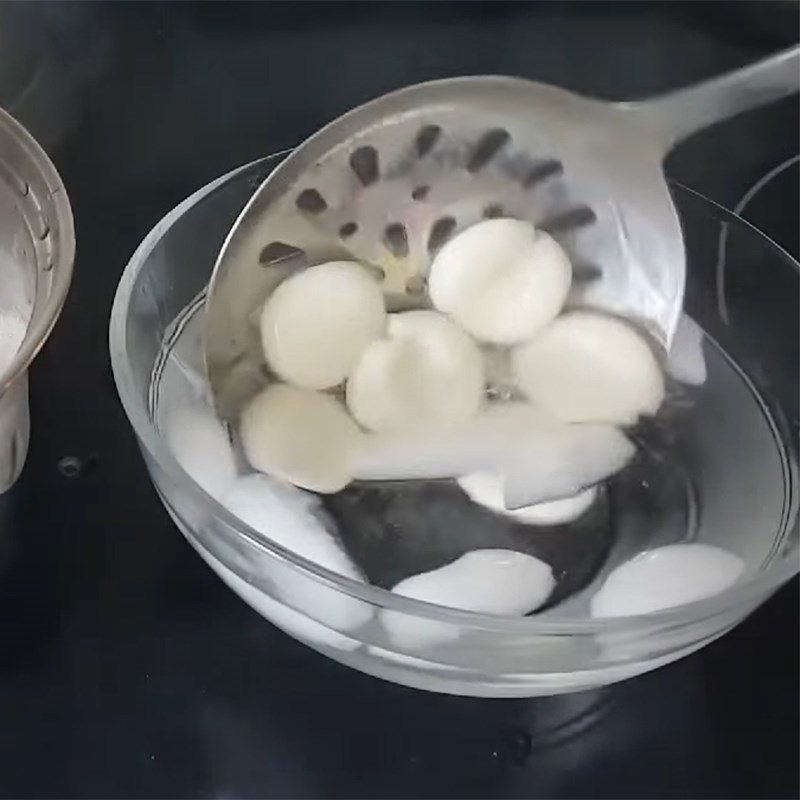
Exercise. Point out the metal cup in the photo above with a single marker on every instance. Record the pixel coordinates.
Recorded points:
(37, 248)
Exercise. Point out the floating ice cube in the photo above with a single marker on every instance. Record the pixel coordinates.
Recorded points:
(492, 436)
(563, 461)
(486, 489)
(296, 520)
(488, 581)
(291, 517)
(200, 444)
(666, 577)
(538, 458)
(686, 362)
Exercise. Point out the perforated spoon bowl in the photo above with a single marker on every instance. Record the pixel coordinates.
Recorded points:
(389, 182)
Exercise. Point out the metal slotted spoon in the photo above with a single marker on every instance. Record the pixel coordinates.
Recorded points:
(389, 182)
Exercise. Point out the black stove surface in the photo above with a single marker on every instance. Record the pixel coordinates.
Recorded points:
(127, 669)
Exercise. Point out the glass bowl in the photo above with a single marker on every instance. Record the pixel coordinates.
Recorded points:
(37, 248)
(742, 454)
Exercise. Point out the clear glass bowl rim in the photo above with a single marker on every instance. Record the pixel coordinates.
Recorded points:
(776, 573)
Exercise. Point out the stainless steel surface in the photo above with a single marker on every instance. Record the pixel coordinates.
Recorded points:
(37, 247)
(679, 114)
(389, 181)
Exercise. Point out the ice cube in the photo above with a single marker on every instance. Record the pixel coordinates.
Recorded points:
(562, 461)
(686, 362)
(539, 459)
(486, 489)
(490, 438)
(666, 577)
(200, 444)
(488, 581)
(296, 520)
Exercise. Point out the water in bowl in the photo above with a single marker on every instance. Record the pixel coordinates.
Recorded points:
(710, 468)
(16, 303)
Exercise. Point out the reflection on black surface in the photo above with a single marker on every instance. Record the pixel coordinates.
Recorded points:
(237, 710)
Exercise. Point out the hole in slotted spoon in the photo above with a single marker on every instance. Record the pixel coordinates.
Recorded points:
(426, 139)
(278, 251)
(312, 201)
(541, 172)
(440, 232)
(396, 239)
(347, 230)
(364, 162)
(487, 148)
(577, 217)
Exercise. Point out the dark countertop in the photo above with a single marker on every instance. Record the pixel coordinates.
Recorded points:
(127, 669)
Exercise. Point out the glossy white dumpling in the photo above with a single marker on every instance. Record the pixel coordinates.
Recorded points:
(590, 367)
(200, 444)
(486, 489)
(666, 577)
(301, 436)
(426, 372)
(501, 280)
(487, 581)
(316, 323)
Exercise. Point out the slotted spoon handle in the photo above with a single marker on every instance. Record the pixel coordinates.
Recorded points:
(683, 112)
